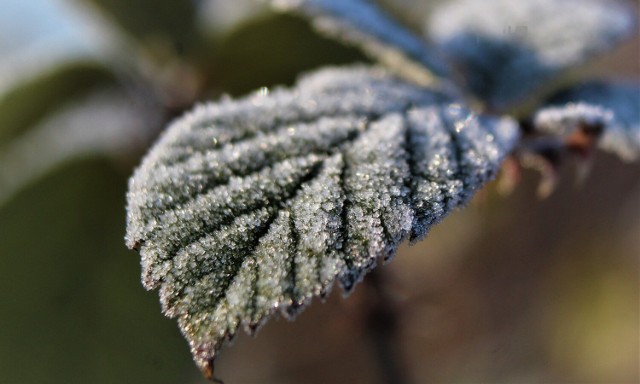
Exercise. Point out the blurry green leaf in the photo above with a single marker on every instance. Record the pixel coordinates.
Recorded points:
(270, 50)
(253, 207)
(72, 308)
(218, 16)
(161, 23)
(105, 123)
(31, 101)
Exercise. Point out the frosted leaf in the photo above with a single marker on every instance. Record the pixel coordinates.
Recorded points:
(251, 207)
(614, 107)
(365, 24)
(565, 119)
(508, 49)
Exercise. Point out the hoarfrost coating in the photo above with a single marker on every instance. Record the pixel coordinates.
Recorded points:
(251, 207)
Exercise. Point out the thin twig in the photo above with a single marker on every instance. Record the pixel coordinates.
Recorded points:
(382, 326)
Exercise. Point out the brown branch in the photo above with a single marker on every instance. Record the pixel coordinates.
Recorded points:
(381, 319)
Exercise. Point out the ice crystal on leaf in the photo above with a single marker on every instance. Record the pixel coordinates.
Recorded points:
(247, 208)
(507, 49)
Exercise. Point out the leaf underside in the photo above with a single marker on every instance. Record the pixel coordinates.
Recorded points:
(508, 49)
(365, 24)
(251, 207)
(616, 107)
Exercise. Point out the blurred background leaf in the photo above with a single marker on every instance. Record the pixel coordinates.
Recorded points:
(271, 49)
(168, 24)
(32, 100)
(105, 123)
(72, 303)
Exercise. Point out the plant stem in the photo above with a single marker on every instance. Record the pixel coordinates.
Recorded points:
(382, 326)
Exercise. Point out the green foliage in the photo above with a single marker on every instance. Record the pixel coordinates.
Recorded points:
(31, 101)
(168, 23)
(72, 306)
(241, 61)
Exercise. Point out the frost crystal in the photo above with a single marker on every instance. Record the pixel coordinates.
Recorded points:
(251, 207)
(614, 106)
(508, 49)
(364, 23)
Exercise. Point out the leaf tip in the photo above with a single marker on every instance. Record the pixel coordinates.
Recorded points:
(204, 357)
